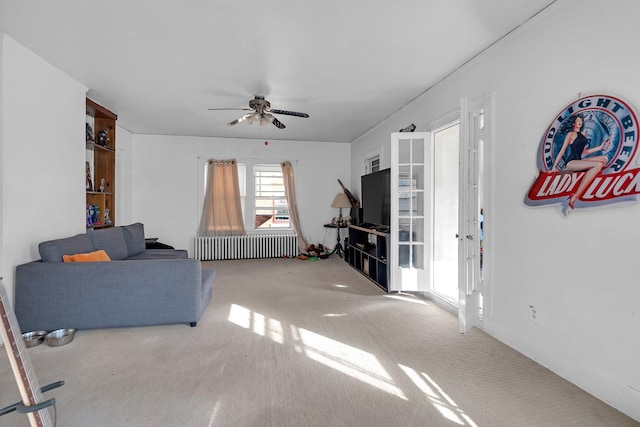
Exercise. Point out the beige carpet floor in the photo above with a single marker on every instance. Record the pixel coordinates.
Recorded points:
(303, 343)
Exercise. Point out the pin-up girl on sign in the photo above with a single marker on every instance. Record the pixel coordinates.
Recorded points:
(575, 151)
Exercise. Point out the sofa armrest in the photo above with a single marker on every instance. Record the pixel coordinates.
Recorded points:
(52, 295)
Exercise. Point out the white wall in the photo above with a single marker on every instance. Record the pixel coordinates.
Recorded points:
(580, 271)
(43, 154)
(165, 181)
(124, 178)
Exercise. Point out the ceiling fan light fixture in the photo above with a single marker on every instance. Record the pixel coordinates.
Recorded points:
(253, 118)
(266, 119)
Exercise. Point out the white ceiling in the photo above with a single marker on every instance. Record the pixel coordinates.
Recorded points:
(349, 64)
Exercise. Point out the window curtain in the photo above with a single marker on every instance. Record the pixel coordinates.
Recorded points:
(222, 210)
(290, 194)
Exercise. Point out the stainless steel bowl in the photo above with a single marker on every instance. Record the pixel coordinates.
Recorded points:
(60, 337)
(33, 338)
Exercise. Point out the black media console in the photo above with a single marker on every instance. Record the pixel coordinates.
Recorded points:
(368, 252)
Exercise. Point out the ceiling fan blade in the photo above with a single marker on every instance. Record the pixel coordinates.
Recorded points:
(239, 119)
(277, 123)
(289, 113)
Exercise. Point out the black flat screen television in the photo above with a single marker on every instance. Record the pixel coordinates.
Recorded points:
(376, 197)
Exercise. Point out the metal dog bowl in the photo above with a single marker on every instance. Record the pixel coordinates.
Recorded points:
(33, 338)
(60, 337)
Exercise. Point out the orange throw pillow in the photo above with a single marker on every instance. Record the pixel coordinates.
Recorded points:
(100, 255)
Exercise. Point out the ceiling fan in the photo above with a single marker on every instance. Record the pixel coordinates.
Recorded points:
(261, 113)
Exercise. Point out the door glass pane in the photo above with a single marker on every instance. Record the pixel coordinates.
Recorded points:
(404, 203)
(417, 230)
(404, 255)
(418, 206)
(404, 174)
(417, 174)
(404, 230)
(404, 190)
(404, 151)
(417, 151)
(417, 256)
(445, 205)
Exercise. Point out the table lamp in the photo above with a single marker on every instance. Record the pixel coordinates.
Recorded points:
(341, 201)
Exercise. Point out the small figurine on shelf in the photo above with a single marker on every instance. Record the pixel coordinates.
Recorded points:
(107, 220)
(89, 215)
(89, 182)
(333, 221)
(103, 139)
(102, 185)
(95, 212)
(89, 131)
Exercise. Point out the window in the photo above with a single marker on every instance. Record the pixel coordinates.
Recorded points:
(371, 161)
(372, 164)
(262, 195)
(270, 202)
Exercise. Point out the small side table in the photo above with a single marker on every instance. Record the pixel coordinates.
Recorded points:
(339, 249)
(152, 243)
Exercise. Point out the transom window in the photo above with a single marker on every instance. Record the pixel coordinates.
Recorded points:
(372, 161)
(373, 164)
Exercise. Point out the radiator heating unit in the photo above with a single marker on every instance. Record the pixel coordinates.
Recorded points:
(250, 246)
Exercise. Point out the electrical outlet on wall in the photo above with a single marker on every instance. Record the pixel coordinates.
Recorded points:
(534, 314)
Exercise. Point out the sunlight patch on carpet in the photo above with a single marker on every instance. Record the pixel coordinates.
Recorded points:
(239, 315)
(349, 360)
(258, 323)
(344, 358)
(214, 415)
(406, 298)
(438, 398)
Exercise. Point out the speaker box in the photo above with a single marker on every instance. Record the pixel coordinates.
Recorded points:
(356, 215)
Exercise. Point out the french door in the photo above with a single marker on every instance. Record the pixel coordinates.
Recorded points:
(473, 135)
(410, 229)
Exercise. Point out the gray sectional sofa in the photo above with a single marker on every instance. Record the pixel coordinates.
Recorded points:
(137, 287)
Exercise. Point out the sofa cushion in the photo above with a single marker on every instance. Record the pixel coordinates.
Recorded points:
(134, 238)
(96, 256)
(111, 240)
(53, 250)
